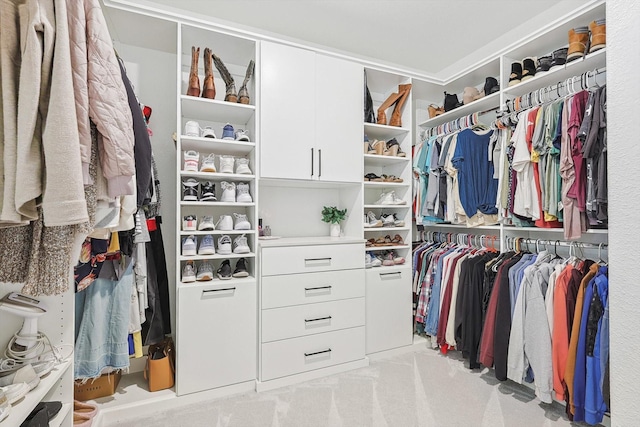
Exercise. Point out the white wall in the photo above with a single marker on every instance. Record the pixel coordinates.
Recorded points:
(623, 62)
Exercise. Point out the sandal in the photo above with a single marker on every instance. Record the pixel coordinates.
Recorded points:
(397, 240)
(380, 241)
(377, 147)
(393, 149)
(391, 178)
(370, 242)
(373, 177)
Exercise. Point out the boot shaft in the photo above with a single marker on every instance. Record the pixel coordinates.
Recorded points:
(193, 88)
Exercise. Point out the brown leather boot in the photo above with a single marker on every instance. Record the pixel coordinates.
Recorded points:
(231, 95)
(194, 81)
(578, 43)
(396, 116)
(598, 35)
(243, 93)
(382, 115)
(208, 87)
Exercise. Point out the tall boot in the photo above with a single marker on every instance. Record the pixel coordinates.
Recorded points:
(396, 116)
(208, 87)
(382, 115)
(243, 93)
(194, 81)
(231, 95)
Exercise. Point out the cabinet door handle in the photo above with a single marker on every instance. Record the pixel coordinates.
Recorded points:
(206, 291)
(317, 288)
(312, 162)
(317, 319)
(317, 259)
(319, 163)
(317, 352)
(391, 274)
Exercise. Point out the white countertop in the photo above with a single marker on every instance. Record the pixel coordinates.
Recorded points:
(308, 241)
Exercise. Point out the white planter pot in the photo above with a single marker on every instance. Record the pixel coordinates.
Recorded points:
(334, 230)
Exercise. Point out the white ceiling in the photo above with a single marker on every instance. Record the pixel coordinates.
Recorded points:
(430, 36)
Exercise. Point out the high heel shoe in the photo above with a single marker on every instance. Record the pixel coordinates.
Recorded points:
(396, 116)
(393, 149)
(377, 147)
(194, 80)
(243, 93)
(208, 86)
(382, 115)
(231, 94)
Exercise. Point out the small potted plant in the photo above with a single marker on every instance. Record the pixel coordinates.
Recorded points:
(332, 215)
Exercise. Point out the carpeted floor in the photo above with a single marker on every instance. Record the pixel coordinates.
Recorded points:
(421, 388)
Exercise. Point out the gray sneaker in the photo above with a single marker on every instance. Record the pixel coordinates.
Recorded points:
(205, 272)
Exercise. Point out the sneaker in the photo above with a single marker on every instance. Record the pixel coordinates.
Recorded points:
(208, 192)
(206, 245)
(207, 164)
(206, 223)
(5, 406)
(366, 221)
(375, 260)
(189, 223)
(188, 273)
(367, 260)
(243, 195)
(205, 272)
(387, 220)
(242, 223)
(225, 223)
(15, 392)
(224, 245)
(192, 128)
(372, 221)
(228, 132)
(191, 160)
(544, 64)
(224, 272)
(189, 246)
(242, 166)
(228, 192)
(241, 268)
(397, 222)
(242, 135)
(208, 132)
(226, 164)
(190, 190)
(390, 198)
(240, 245)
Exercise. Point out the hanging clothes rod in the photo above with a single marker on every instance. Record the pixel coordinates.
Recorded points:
(555, 243)
(456, 125)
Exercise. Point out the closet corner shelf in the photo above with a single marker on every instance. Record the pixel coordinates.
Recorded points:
(484, 103)
(406, 206)
(20, 411)
(213, 110)
(216, 256)
(385, 248)
(385, 229)
(592, 61)
(378, 160)
(217, 204)
(218, 176)
(385, 184)
(217, 146)
(376, 131)
(215, 232)
(60, 416)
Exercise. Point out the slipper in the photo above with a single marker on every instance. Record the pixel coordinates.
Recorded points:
(373, 177)
(84, 408)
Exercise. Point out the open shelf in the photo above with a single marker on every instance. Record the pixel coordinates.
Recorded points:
(213, 110)
(217, 282)
(383, 132)
(216, 256)
(366, 229)
(387, 206)
(219, 204)
(374, 184)
(218, 146)
(218, 176)
(385, 248)
(215, 232)
(486, 103)
(378, 160)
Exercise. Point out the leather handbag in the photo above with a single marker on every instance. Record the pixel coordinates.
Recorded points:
(160, 368)
(434, 111)
(451, 101)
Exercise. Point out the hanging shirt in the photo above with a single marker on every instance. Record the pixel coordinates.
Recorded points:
(525, 201)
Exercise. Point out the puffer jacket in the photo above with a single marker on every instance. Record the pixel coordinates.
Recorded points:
(100, 96)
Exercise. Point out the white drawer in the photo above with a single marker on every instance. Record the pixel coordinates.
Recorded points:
(389, 308)
(288, 357)
(305, 259)
(300, 320)
(296, 289)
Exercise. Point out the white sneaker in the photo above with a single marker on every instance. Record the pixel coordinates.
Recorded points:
(242, 223)
(387, 220)
(192, 128)
(189, 223)
(225, 223)
(191, 160)
(208, 164)
(188, 272)
(372, 221)
(375, 261)
(224, 245)
(243, 195)
(5, 406)
(15, 392)
(226, 164)
(206, 245)
(242, 166)
(367, 260)
(208, 132)
(242, 135)
(189, 246)
(228, 192)
(240, 245)
(390, 198)
(206, 223)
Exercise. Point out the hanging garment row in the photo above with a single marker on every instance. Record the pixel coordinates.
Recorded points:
(532, 316)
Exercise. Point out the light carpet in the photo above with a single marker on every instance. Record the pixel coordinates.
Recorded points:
(418, 388)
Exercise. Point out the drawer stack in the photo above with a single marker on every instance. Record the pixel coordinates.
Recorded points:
(312, 308)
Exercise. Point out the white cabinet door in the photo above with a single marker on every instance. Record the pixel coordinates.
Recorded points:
(339, 117)
(287, 104)
(217, 333)
(388, 308)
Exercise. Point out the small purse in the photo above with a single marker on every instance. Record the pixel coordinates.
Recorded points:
(434, 111)
(160, 368)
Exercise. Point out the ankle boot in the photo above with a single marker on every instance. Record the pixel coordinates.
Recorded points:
(231, 95)
(598, 35)
(208, 86)
(516, 74)
(528, 68)
(578, 43)
(243, 93)
(194, 81)
(382, 114)
(396, 116)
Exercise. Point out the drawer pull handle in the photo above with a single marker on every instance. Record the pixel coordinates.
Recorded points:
(318, 319)
(318, 288)
(317, 352)
(218, 290)
(317, 259)
(389, 274)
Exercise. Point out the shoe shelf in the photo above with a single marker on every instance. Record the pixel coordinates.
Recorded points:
(370, 229)
(216, 256)
(383, 132)
(201, 144)
(482, 104)
(380, 160)
(220, 282)
(23, 408)
(219, 204)
(214, 110)
(60, 416)
(385, 248)
(218, 176)
(215, 232)
(381, 185)
(590, 62)
(406, 206)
